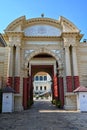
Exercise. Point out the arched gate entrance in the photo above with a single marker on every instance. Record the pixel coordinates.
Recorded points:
(57, 82)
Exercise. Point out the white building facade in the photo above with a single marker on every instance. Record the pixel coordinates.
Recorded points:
(42, 83)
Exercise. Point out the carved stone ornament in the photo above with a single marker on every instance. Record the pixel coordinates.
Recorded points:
(69, 41)
(59, 53)
(14, 41)
(28, 52)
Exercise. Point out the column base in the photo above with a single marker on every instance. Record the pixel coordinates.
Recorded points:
(70, 101)
(18, 102)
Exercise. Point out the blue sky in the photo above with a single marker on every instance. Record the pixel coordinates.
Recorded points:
(74, 10)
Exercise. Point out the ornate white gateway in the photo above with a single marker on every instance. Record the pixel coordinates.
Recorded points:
(43, 44)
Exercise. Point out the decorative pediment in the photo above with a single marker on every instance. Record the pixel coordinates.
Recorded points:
(68, 26)
(16, 25)
(42, 27)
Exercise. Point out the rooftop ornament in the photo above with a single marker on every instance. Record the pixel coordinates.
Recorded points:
(42, 15)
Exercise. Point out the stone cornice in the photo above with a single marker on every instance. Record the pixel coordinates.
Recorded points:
(83, 44)
(72, 34)
(13, 34)
(39, 38)
(66, 34)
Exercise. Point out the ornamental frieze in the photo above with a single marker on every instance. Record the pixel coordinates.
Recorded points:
(28, 52)
(60, 55)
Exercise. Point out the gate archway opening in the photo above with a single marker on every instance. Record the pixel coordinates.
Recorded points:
(42, 63)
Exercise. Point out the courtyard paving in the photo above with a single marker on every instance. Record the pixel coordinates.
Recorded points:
(43, 116)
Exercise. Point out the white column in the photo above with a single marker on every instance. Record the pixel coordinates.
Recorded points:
(67, 61)
(17, 60)
(74, 57)
(10, 62)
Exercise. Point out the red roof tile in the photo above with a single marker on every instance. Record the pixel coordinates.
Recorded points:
(80, 89)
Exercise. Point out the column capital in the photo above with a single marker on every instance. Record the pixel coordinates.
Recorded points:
(69, 41)
(14, 41)
(11, 42)
(17, 44)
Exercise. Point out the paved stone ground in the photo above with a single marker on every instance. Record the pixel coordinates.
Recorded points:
(43, 116)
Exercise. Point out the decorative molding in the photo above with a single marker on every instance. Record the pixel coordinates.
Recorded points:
(28, 52)
(49, 21)
(32, 53)
(41, 38)
(60, 55)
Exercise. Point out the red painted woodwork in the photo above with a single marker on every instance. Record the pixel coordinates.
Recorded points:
(17, 84)
(30, 93)
(55, 85)
(28, 88)
(61, 91)
(69, 83)
(9, 81)
(31, 89)
(25, 93)
(76, 81)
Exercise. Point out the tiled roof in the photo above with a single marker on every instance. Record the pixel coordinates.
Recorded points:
(8, 89)
(80, 89)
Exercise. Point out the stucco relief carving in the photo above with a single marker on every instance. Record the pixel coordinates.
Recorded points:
(27, 52)
(60, 55)
(42, 30)
(69, 41)
(31, 53)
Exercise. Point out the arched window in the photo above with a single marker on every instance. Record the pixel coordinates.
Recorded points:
(41, 78)
(45, 78)
(36, 78)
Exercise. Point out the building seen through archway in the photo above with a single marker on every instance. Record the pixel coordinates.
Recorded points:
(42, 86)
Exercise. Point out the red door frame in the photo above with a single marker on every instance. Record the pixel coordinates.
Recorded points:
(57, 88)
